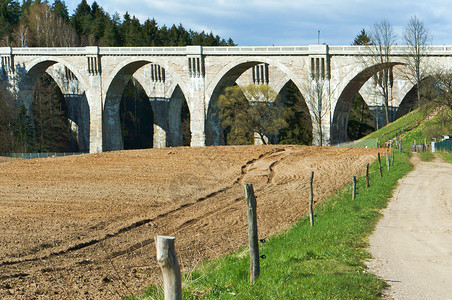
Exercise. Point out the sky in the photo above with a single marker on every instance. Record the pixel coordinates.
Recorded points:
(287, 22)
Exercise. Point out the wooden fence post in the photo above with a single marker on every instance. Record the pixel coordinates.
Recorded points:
(367, 175)
(311, 201)
(167, 260)
(252, 231)
(379, 165)
(354, 188)
(387, 160)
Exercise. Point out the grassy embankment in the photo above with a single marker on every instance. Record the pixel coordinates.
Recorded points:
(323, 262)
(447, 157)
(408, 125)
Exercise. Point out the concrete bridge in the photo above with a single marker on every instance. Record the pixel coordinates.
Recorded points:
(93, 79)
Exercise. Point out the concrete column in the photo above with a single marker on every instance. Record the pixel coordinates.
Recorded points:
(258, 140)
(197, 126)
(197, 120)
(160, 110)
(94, 97)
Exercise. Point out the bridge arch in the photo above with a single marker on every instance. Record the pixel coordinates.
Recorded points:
(35, 69)
(77, 104)
(352, 84)
(227, 76)
(116, 82)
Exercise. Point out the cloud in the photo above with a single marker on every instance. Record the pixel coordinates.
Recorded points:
(286, 22)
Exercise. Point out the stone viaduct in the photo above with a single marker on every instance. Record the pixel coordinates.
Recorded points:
(92, 80)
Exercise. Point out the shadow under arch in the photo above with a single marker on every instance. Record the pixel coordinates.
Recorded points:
(409, 101)
(228, 77)
(136, 117)
(338, 129)
(76, 101)
(178, 120)
(299, 130)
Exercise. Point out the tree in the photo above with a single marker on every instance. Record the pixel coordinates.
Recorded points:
(60, 9)
(81, 19)
(360, 121)
(23, 132)
(9, 16)
(251, 109)
(21, 36)
(317, 100)
(53, 132)
(299, 130)
(382, 39)
(47, 28)
(417, 37)
(362, 39)
(7, 113)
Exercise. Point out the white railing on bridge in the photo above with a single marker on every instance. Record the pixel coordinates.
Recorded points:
(397, 50)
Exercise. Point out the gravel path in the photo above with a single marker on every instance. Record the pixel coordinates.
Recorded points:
(412, 244)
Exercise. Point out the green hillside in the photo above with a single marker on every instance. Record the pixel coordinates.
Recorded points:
(418, 125)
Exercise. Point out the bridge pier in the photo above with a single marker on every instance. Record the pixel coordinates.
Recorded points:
(95, 101)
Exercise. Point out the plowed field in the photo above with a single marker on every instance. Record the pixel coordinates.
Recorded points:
(83, 227)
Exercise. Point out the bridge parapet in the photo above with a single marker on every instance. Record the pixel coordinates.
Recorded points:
(397, 50)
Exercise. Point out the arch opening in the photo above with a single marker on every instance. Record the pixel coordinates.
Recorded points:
(360, 120)
(299, 130)
(179, 120)
(154, 124)
(136, 117)
(409, 101)
(258, 73)
(340, 120)
(52, 98)
(215, 135)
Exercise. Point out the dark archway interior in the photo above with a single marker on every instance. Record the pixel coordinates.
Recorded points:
(51, 118)
(57, 122)
(178, 120)
(300, 124)
(136, 117)
(185, 124)
(409, 102)
(360, 120)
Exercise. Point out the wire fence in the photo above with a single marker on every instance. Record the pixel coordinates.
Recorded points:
(370, 143)
(40, 155)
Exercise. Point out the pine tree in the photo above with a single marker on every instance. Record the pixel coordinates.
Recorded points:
(23, 132)
(362, 39)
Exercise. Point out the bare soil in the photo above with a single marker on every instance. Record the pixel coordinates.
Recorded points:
(83, 227)
(412, 244)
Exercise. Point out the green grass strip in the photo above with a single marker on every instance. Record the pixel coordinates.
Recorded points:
(323, 262)
(426, 156)
(447, 156)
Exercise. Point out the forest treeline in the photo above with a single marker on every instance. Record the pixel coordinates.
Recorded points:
(35, 23)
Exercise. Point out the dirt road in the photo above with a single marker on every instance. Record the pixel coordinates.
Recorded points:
(412, 245)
